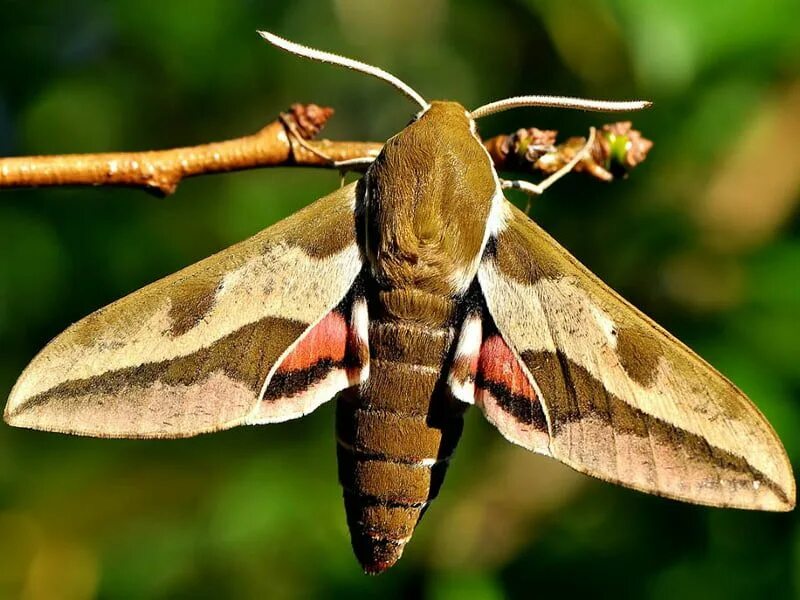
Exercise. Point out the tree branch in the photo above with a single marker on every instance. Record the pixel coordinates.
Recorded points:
(617, 149)
(287, 141)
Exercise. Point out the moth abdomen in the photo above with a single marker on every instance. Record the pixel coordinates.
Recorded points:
(395, 435)
(391, 468)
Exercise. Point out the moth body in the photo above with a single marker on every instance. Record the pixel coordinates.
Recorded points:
(424, 230)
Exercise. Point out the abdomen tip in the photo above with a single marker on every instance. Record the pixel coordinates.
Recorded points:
(376, 555)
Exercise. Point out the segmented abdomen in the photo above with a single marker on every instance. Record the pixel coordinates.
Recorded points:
(395, 435)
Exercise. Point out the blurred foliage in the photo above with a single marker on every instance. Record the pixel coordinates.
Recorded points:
(704, 236)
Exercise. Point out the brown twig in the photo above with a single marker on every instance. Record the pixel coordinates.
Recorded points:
(287, 141)
(617, 149)
(161, 171)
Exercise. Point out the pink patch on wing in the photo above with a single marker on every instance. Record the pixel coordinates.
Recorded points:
(327, 340)
(497, 365)
(508, 398)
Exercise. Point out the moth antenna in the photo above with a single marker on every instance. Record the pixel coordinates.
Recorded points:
(558, 102)
(349, 63)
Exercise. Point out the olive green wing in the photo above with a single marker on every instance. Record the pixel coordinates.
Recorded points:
(620, 398)
(195, 351)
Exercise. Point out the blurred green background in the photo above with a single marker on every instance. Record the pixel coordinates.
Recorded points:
(705, 237)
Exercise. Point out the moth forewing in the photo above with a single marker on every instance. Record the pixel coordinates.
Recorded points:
(624, 400)
(191, 353)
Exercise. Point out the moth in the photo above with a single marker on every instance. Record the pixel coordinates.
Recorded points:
(410, 295)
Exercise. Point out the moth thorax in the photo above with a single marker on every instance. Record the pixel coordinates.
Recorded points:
(429, 196)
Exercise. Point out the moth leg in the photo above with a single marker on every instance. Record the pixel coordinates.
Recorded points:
(297, 137)
(359, 163)
(537, 189)
(531, 189)
(355, 165)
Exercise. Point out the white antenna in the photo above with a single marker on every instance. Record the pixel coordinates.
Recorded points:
(349, 63)
(558, 102)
